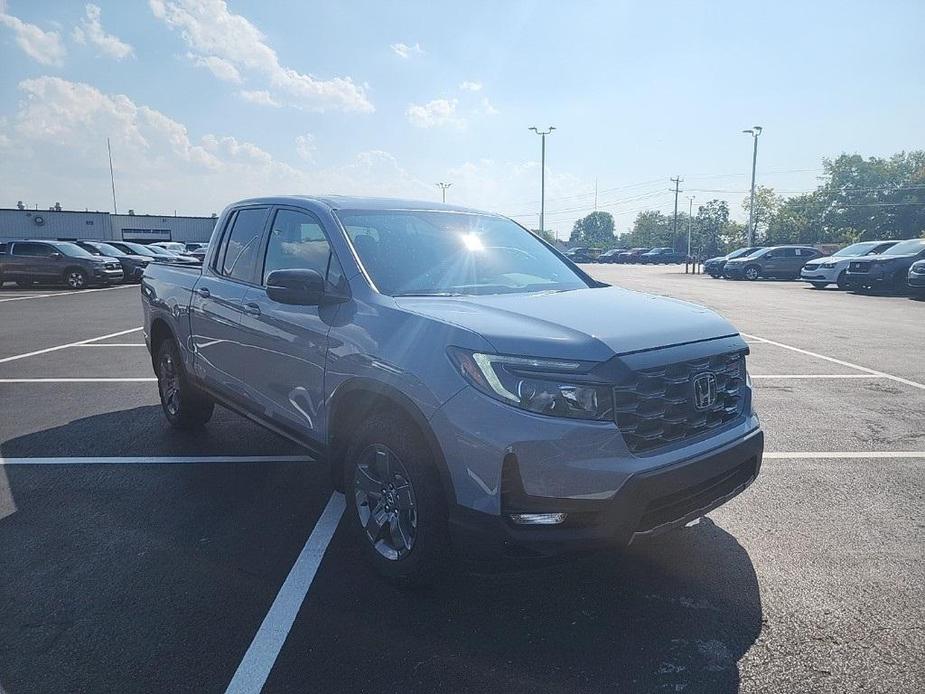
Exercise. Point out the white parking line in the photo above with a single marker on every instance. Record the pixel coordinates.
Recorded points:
(69, 344)
(255, 667)
(754, 376)
(852, 455)
(840, 362)
(64, 293)
(113, 344)
(146, 379)
(159, 460)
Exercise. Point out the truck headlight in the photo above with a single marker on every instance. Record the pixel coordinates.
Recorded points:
(544, 386)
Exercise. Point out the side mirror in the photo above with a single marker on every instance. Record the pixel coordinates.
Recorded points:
(296, 287)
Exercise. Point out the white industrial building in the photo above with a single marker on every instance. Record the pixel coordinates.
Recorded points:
(21, 223)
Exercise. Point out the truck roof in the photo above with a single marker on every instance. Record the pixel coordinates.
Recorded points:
(349, 202)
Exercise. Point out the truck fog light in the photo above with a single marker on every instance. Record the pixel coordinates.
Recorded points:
(538, 518)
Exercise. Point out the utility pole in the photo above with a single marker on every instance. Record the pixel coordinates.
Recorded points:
(754, 131)
(543, 134)
(690, 217)
(677, 182)
(443, 187)
(112, 178)
(595, 193)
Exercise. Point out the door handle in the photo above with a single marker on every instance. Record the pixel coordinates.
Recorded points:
(204, 292)
(252, 309)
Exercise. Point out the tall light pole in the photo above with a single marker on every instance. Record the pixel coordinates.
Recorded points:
(690, 217)
(443, 187)
(112, 178)
(754, 131)
(543, 134)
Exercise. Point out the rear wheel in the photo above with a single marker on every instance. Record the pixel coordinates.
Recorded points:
(184, 405)
(395, 502)
(842, 281)
(752, 272)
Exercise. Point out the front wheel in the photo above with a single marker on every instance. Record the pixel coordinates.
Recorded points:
(842, 281)
(75, 278)
(395, 502)
(184, 405)
(752, 272)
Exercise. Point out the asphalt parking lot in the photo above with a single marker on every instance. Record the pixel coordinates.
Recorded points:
(136, 558)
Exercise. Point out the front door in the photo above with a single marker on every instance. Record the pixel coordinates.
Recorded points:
(217, 302)
(286, 345)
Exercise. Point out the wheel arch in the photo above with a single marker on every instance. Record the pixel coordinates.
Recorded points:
(160, 331)
(358, 398)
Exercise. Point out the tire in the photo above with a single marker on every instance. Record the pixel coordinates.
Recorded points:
(842, 281)
(900, 285)
(751, 273)
(402, 530)
(184, 405)
(75, 278)
(819, 285)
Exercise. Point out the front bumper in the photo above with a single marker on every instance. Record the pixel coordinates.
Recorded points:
(108, 276)
(819, 274)
(733, 271)
(649, 503)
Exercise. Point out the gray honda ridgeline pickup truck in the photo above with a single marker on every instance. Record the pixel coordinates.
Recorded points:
(470, 388)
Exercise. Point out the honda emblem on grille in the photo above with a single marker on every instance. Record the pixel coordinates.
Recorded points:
(704, 390)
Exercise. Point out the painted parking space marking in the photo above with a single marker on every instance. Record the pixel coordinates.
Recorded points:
(63, 293)
(69, 344)
(847, 455)
(255, 667)
(159, 460)
(145, 379)
(840, 362)
(112, 344)
(791, 376)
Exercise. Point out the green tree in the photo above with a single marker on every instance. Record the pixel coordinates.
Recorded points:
(594, 230)
(546, 235)
(767, 203)
(709, 228)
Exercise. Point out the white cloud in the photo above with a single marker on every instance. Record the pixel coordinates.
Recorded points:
(469, 86)
(45, 47)
(438, 112)
(220, 68)
(403, 50)
(55, 149)
(209, 28)
(261, 97)
(305, 147)
(91, 30)
(486, 108)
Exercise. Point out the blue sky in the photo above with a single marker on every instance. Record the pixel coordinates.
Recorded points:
(206, 101)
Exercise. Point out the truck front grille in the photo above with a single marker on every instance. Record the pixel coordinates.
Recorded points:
(657, 407)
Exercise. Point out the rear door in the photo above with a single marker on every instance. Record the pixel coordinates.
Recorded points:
(217, 300)
(285, 346)
(32, 260)
(801, 256)
(777, 261)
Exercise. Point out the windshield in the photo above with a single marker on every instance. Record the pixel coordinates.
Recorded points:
(73, 250)
(740, 252)
(139, 249)
(906, 247)
(444, 253)
(858, 248)
(106, 249)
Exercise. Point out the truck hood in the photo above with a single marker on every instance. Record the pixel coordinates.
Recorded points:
(587, 324)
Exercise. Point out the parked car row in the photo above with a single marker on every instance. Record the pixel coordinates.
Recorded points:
(80, 264)
(897, 266)
(646, 256)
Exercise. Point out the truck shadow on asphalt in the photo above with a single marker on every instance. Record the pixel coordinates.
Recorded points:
(156, 577)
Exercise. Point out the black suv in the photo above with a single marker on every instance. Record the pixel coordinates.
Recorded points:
(133, 266)
(662, 255)
(889, 270)
(714, 266)
(779, 262)
(55, 262)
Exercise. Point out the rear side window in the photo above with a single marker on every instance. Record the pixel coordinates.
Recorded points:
(296, 241)
(243, 244)
(2, 248)
(32, 249)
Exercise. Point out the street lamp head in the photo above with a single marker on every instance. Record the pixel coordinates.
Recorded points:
(757, 129)
(551, 128)
(749, 131)
(533, 128)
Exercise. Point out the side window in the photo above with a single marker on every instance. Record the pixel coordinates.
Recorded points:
(2, 249)
(788, 252)
(243, 245)
(32, 249)
(297, 241)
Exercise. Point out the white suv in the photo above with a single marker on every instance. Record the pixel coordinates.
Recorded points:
(831, 269)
